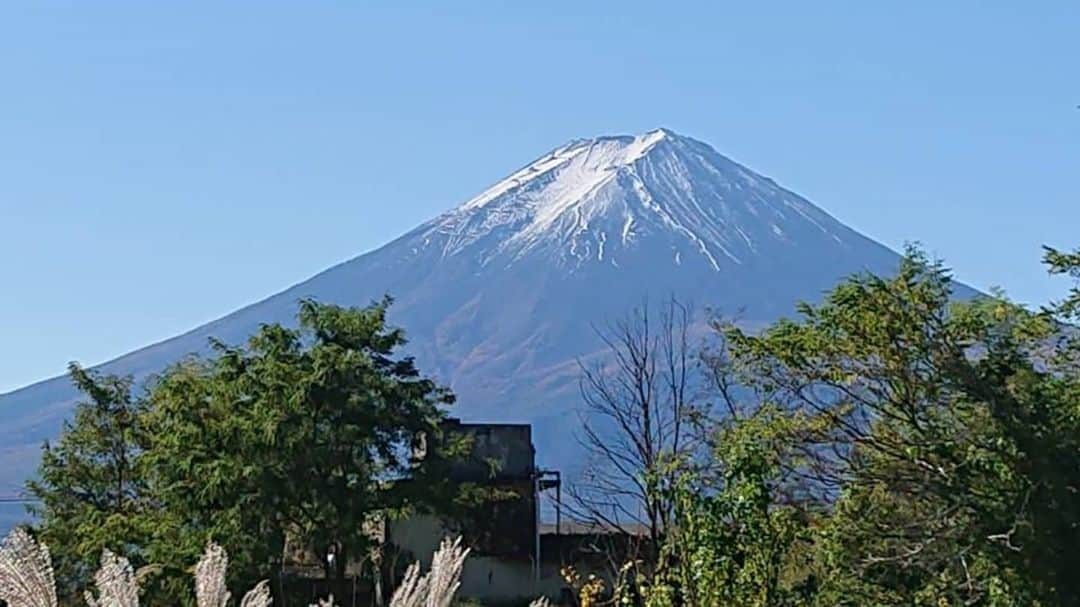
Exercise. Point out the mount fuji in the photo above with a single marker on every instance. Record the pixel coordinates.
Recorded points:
(499, 295)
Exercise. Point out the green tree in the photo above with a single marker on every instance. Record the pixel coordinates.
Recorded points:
(303, 435)
(889, 447)
(90, 484)
(739, 542)
(950, 456)
(1067, 264)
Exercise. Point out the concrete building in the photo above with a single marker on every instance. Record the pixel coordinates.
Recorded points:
(507, 559)
(513, 557)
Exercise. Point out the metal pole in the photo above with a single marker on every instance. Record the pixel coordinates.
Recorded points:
(558, 502)
(536, 516)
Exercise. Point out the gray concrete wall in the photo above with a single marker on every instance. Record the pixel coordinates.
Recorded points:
(483, 577)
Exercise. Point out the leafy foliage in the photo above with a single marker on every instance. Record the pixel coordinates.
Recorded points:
(898, 448)
(733, 544)
(949, 447)
(302, 436)
(1068, 264)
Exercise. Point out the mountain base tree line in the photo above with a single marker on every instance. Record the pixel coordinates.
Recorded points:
(888, 446)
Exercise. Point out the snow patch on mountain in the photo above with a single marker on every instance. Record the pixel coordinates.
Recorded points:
(591, 200)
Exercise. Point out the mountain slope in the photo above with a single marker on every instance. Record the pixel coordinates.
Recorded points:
(498, 296)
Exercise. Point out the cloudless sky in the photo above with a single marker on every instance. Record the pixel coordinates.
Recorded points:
(162, 164)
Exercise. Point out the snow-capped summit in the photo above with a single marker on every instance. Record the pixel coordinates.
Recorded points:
(592, 200)
(499, 295)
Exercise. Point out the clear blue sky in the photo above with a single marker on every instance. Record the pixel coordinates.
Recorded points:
(162, 164)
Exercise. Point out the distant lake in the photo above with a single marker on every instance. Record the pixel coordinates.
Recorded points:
(11, 515)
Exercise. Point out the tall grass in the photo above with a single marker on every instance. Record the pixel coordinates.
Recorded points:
(27, 579)
(26, 573)
(437, 587)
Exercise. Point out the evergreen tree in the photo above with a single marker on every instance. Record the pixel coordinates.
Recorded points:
(91, 484)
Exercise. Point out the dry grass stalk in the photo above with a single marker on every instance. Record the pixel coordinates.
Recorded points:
(116, 583)
(444, 579)
(438, 587)
(26, 573)
(259, 596)
(210, 589)
(412, 590)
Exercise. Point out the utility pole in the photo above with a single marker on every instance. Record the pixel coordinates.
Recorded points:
(536, 526)
(542, 481)
(552, 479)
